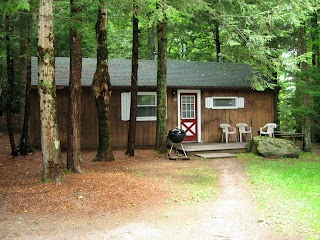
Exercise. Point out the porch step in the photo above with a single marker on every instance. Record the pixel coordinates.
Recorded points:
(205, 148)
(216, 155)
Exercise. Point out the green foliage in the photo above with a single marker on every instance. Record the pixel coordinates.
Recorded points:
(139, 174)
(13, 6)
(191, 39)
(251, 31)
(62, 23)
(289, 191)
(310, 88)
(13, 10)
(286, 116)
(45, 180)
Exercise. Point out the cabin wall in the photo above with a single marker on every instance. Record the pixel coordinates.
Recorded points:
(146, 131)
(258, 110)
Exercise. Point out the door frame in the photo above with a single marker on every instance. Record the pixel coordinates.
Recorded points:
(198, 109)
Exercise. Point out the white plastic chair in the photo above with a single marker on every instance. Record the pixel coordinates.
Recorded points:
(227, 130)
(268, 129)
(244, 129)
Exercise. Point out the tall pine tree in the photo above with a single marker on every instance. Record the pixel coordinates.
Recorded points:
(74, 116)
(53, 165)
(101, 86)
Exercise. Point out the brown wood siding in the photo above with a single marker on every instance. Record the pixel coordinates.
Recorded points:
(34, 120)
(62, 104)
(172, 109)
(35, 124)
(258, 108)
(145, 132)
(89, 121)
(257, 111)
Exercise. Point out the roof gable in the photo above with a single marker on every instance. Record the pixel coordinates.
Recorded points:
(179, 73)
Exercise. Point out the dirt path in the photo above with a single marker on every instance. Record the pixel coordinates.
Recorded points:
(231, 216)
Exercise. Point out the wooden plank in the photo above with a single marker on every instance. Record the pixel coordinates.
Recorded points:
(215, 155)
(179, 157)
(198, 147)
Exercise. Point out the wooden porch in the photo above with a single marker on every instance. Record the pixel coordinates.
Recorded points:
(210, 150)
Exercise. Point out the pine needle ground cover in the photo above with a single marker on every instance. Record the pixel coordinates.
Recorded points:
(288, 192)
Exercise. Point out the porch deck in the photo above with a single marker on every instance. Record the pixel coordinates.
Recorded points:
(210, 150)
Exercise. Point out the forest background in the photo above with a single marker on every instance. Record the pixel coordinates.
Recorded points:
(279, 39)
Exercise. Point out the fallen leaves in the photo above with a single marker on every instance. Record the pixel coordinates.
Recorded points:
(102, 187)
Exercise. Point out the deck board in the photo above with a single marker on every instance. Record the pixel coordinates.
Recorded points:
(201, 147)
(215, 155)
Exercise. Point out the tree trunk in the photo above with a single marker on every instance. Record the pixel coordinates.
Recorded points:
(315, 40)
(10, 74)
(216, 33)
(52, 163)
(151, 43)
(161, 128)
(2, 73)
(315, 61)
(1, 92)
(74, 116)
(101, 87)
(306, 128)
(25, 71)
(134, 83)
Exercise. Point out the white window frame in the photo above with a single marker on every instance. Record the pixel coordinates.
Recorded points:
(194, 110)
(153, 118)
(239, 103)
(126, 104)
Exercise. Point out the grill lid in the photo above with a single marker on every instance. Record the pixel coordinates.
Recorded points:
(176, 135)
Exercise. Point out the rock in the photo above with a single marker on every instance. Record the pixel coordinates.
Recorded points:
(272, 147)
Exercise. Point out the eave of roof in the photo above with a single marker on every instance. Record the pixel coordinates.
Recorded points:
(180, 74)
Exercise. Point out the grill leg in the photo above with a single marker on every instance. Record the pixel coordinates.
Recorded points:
(184, 152)
(170, 149)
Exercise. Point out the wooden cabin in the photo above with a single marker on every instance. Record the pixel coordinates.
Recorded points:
(200, 96)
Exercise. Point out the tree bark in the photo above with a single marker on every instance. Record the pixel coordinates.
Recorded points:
(161, 128)
(10, 75)
(53, 165)
(315, 40)
(101, 87)
(151, 43)
(25, 71)
(315, 59)
(134, 83)
(306, 128)
(216, 33)
(74, 116)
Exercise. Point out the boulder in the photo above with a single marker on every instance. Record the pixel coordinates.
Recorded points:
(272, 147)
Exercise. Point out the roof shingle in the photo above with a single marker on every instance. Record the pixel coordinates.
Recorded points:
(179, 73)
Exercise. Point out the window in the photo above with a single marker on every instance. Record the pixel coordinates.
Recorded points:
(146, 106)
(224, 102)
(188, 107)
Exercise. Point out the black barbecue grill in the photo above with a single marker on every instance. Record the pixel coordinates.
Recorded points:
(176, 136)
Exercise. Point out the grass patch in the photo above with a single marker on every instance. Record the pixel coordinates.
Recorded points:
(200, 181)
(139, 174)
(288, 191)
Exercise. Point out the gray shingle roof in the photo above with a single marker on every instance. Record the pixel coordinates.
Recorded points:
(183, 74)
